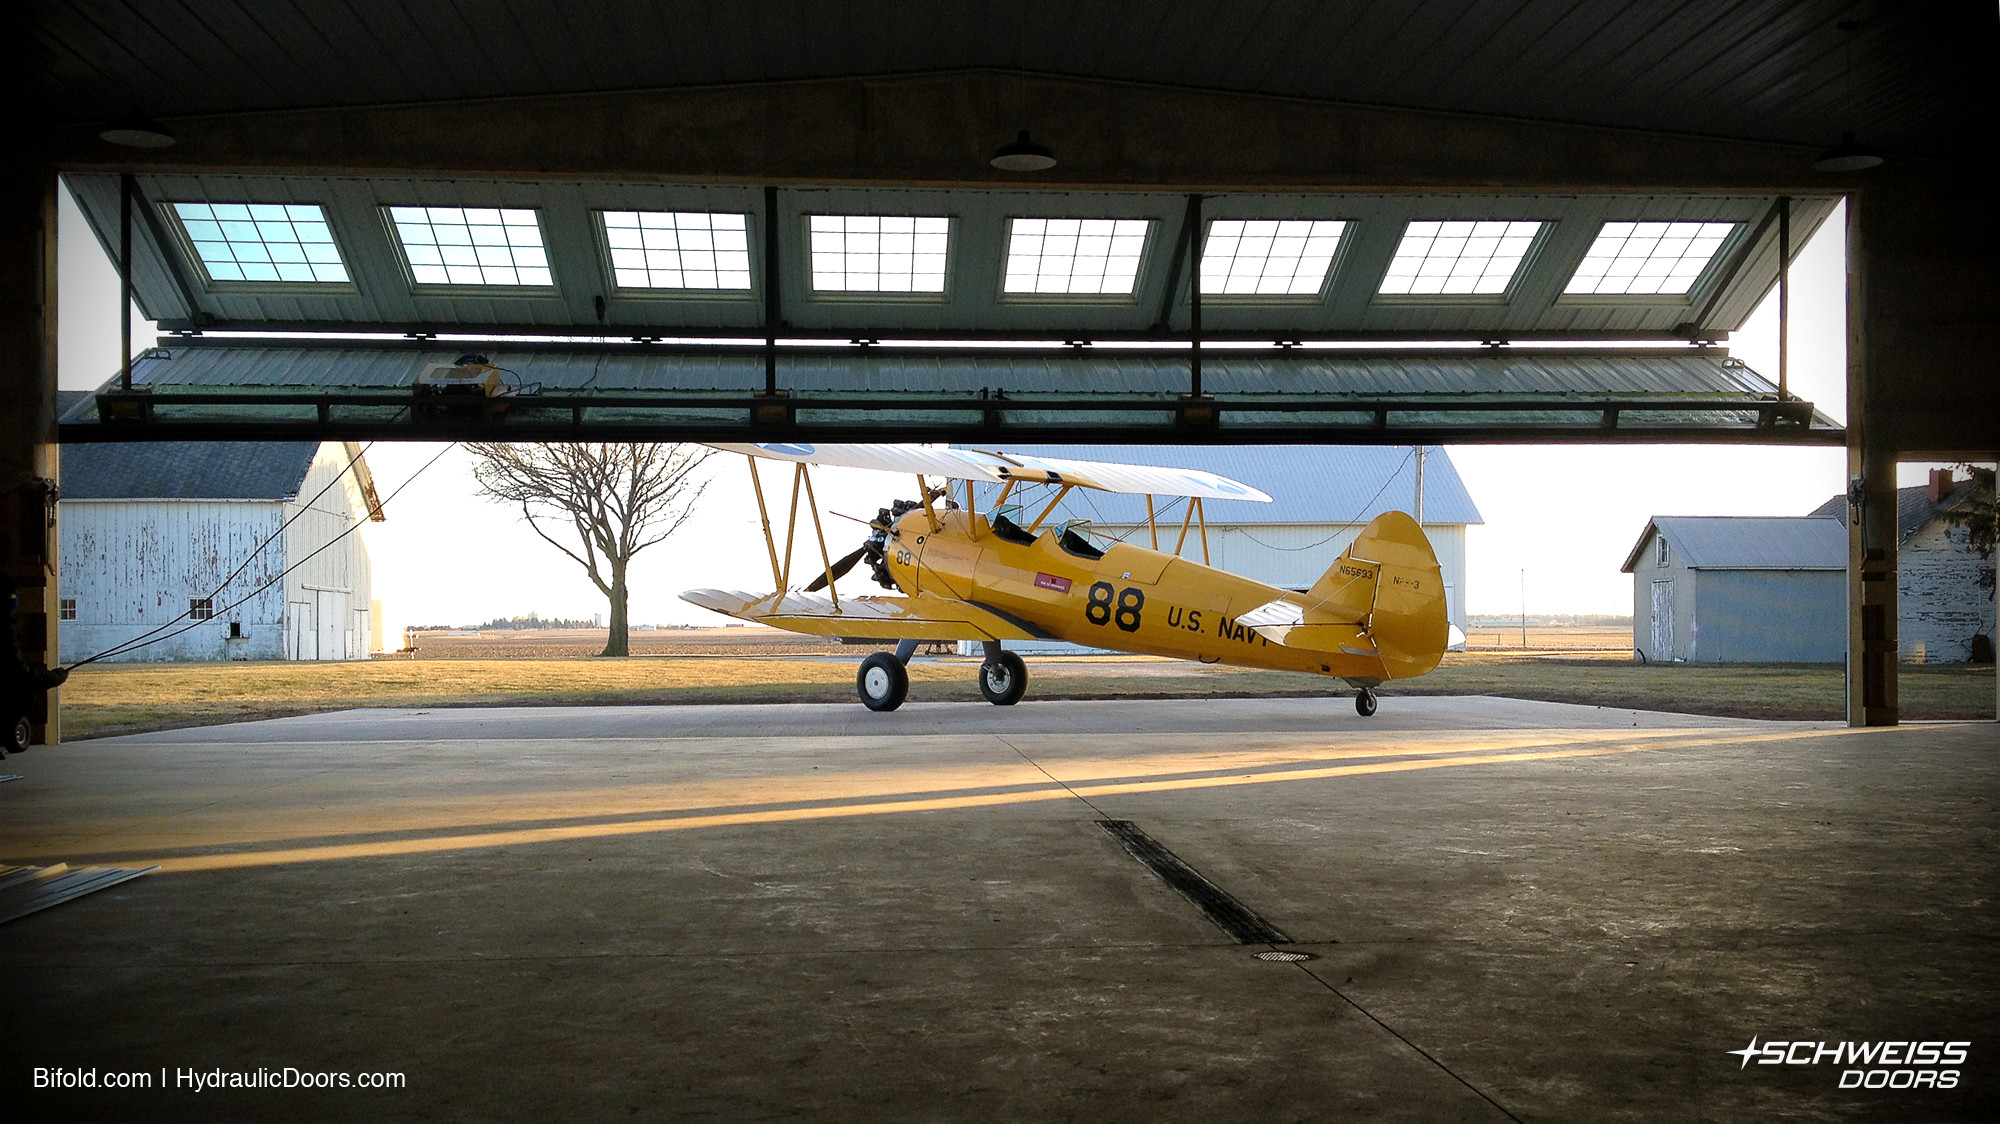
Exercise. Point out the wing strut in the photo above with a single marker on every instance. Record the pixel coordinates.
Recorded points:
(781, 573)
(764, 517)
(1060, 493)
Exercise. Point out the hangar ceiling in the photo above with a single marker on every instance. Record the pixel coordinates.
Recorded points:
(1767, 70)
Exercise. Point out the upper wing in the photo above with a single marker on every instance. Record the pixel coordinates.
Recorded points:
(977, 464)
(868, 618)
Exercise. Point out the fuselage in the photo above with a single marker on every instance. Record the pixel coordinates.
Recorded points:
(1129, 599)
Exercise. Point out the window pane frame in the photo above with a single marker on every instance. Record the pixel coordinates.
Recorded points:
(624, 250)
(294, 266)
(455, 245)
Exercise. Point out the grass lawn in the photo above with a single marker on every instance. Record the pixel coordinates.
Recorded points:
(126, 698)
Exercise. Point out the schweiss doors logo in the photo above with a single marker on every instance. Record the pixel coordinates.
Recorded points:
(1869, 1065)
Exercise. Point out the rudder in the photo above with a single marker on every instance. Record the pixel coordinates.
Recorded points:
(1389, 582)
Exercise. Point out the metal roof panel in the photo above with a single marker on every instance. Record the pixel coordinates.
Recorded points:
(1306, 483)
(1733, 542)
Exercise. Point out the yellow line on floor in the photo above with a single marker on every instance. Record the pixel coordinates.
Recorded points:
(522, 836)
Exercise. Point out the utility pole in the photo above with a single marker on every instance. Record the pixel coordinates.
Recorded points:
(1419, 512)
(1524, 607)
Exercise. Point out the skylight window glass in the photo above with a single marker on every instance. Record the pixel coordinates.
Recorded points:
(879, 253)
(1265, 257)
(473, 245)
(263, 242)
(1648, 257)
(678, 249)
(1073, 256)
(1448, 258)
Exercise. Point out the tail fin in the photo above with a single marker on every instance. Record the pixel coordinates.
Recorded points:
(1388, 582)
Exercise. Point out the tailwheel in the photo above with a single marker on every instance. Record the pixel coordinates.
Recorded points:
(1003, 679)
(1364, 703)
(882, 682)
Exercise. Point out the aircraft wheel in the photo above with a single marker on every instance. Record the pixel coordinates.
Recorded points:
(1004, 680)
(1364, 703)
(882, 682)
(19, 735)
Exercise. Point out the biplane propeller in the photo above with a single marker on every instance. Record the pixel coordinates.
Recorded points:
(1376, 614)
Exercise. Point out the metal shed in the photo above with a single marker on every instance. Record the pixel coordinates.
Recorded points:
(1733, 589)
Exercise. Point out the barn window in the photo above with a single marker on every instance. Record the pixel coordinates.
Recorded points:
(677, 249)
(1660, 550)
(1075, 256)
(1268, 257)
(878, 253)
(494, 246)
(1458, 258)
(1648, 257)
(201, 608)
(262, 242)
(66, 609)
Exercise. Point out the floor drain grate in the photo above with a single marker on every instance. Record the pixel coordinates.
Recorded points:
(1284, 957)
(1230, 915)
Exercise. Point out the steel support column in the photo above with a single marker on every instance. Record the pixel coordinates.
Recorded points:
(1871, 510)
(28, 452)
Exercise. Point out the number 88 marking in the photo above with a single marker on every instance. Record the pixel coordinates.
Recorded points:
(1130, 601)
(1098, 609)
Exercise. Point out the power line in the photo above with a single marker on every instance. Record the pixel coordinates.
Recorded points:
(1393, 473)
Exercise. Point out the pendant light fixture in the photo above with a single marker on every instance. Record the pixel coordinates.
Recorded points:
(1849, 155)
(1023, 155)
(135, 131)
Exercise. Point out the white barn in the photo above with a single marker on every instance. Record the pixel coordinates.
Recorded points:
(1945, 613)
(1321, 498)
(152, 531)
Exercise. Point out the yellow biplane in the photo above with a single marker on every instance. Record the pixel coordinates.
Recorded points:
(1378, 613)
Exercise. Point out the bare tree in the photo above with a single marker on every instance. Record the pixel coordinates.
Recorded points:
(619, 499)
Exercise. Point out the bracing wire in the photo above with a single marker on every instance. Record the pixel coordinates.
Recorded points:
(275, 579)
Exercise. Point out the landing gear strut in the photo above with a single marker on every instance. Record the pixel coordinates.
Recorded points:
(1364, 702)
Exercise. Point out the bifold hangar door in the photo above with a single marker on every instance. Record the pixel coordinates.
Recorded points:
(352, 307)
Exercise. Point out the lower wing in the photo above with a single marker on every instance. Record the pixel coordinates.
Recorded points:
(864, 618)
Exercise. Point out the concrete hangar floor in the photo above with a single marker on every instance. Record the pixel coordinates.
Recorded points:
(1512, 911)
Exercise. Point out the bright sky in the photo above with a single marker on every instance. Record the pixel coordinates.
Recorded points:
(1562, 517)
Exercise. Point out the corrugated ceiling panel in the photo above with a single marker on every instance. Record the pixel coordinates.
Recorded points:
(1768, 69)
(881, 370)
